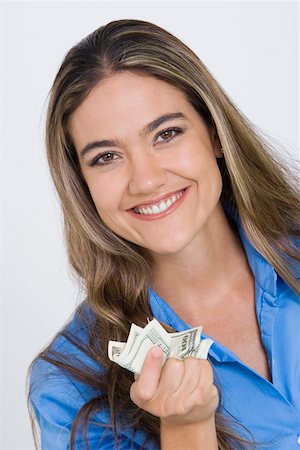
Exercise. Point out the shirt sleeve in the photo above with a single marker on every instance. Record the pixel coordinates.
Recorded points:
(56, 400)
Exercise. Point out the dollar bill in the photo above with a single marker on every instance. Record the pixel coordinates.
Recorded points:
(131, 354)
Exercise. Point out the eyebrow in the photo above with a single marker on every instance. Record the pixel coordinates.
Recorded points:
(147, 129)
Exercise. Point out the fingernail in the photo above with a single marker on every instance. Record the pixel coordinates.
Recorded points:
(156, 352)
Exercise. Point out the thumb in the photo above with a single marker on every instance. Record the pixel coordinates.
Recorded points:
(145, 387)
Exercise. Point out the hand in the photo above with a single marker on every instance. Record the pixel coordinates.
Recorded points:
(180, 393)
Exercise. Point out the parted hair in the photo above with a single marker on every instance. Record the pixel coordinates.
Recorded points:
(115, 273)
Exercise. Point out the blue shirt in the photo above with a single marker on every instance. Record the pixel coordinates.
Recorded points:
(270, 410)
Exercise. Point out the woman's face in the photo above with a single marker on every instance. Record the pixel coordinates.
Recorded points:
(149, 161)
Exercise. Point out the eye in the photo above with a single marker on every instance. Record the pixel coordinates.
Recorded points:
(104, 159)
(167, 135)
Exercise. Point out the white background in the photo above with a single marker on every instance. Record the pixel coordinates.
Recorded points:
(251, 48)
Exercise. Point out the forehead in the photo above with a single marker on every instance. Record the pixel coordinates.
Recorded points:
(126, 98)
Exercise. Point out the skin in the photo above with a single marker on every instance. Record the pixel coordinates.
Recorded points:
(183, 396)
(145, 167)
(194, 248)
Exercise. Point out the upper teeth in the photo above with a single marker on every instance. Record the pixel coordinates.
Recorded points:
(159, 207)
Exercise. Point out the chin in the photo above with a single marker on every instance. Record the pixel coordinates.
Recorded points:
(172, 247)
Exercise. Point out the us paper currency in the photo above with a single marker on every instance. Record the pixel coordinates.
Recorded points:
(131, 354)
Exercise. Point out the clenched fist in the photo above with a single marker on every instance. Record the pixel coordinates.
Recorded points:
(181, 394)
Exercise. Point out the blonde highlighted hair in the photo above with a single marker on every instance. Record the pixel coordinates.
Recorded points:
(116, 273)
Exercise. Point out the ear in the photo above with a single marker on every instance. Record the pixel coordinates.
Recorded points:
(217, 147)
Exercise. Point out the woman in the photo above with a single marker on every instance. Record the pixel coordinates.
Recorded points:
(174, 208)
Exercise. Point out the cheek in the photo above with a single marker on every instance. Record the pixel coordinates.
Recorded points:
(194, 155)
(209, 180)
(104, 198)
(200, 165)
(108, 190)
(108, 199)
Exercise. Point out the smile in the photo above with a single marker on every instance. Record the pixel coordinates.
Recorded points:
(160, 208)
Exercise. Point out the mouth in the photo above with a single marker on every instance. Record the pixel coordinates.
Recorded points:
(160, 208)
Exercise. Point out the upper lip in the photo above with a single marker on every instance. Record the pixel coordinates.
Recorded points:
(157, 199)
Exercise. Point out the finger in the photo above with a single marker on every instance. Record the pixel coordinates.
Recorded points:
(171, 377)
(207, 402)
(205, 391)
(205, 375)
(144, 389)
(207, 372)
(192, 375)
(182, 400)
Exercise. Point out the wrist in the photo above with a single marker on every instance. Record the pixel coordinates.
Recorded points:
(196, 435)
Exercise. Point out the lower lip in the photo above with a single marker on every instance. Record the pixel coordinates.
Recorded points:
(164, 213)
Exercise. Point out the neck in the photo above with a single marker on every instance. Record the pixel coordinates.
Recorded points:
(209, 269)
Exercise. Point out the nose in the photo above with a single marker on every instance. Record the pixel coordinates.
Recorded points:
(147, 175)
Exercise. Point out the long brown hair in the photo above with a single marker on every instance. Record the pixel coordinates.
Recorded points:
(115, 273)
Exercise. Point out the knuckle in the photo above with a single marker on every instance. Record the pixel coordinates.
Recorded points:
(174, 363)
(164, 408)
(163, 413)
(207, 369)
(174, 408)
(200, 398)
(133, 394)
(205, 395)
(191, 361)
(206, 365)
(140, 394)
(144, 394)
(214, 392)
(181, 409)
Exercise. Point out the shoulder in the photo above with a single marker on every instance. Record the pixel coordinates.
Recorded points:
(73, 339)
(69, 345)
(55, 396)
